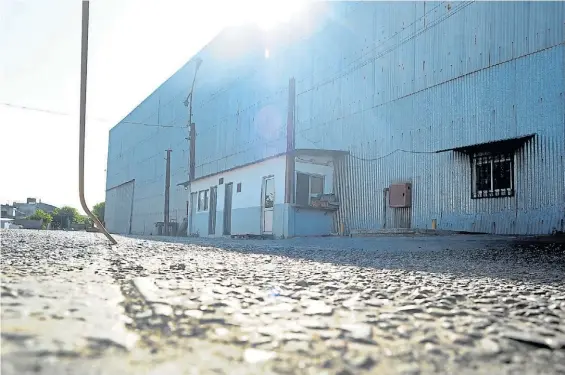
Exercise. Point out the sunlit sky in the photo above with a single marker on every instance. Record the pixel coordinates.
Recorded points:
(134, 46)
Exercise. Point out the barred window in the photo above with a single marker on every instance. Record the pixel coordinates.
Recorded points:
(493, 175)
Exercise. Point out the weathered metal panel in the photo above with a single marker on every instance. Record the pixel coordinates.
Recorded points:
(375, 78)
(118, 211)
(442, 181)
(444, 77)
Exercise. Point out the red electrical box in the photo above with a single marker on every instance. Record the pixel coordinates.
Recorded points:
(400, 195)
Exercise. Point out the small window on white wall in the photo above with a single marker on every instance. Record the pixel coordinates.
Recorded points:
(203, 200)
(307, 187)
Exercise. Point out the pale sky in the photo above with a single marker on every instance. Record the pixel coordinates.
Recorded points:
(134, 45)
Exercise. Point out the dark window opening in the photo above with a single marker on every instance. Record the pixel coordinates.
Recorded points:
(502, 172)
(302, 189)
(221, 181)
(269, 198)
(203, 200)
(493, 175)
(238, 187)
(308, 187)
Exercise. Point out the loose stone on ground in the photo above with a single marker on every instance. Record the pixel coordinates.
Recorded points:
(454, 304)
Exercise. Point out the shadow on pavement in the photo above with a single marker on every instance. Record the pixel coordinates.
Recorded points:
(513, 258)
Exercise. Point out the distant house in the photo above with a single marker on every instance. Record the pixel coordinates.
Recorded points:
(10, 212)
(7, 211)
(30, 207)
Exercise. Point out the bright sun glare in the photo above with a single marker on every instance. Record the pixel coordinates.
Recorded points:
(268, 14)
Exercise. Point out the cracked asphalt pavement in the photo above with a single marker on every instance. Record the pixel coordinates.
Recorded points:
(454, 304)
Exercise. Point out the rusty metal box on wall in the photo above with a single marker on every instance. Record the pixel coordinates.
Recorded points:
(400, 195)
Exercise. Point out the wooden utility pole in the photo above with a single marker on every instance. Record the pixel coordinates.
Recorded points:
(192, 146)
(191, 142)
(167, 188)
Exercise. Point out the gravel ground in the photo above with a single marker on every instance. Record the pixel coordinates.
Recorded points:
(387, 305)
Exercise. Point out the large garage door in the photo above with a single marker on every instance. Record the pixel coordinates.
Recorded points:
(119, 205)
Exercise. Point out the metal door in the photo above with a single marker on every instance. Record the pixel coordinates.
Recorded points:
(268, 204)
(212, 212)
(227, 208)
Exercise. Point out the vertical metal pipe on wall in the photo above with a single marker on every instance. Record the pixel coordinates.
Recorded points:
(385, 193)
(167, 195)
(192, 146)
(290, 145)
(290, 142)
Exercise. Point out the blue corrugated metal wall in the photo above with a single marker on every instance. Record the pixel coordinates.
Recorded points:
(421, 77)
(387, 81)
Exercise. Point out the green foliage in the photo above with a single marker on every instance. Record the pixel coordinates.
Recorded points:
(64, 216)
(88, 222)
(84, 219)
(98, 210)
(67, 211)
(41, 215)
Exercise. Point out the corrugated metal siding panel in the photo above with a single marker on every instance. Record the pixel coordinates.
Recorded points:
(118, 212)
(379, 77)
(246, 120)
(442, 182)
(252, 128)
(442, 191)
(482, 80)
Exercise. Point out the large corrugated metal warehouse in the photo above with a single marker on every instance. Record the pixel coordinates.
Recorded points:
(355, 116)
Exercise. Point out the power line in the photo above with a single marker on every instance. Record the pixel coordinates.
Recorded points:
(374, 48)
(58, 113)
(230, 86)
(280, 138)
(201, 103)
(233, 82)
(227, 87)
(119, 156)
(350, 155)
(34, 109)
(376, 158)
(432, 24)
(391, 153)
(326, 124)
